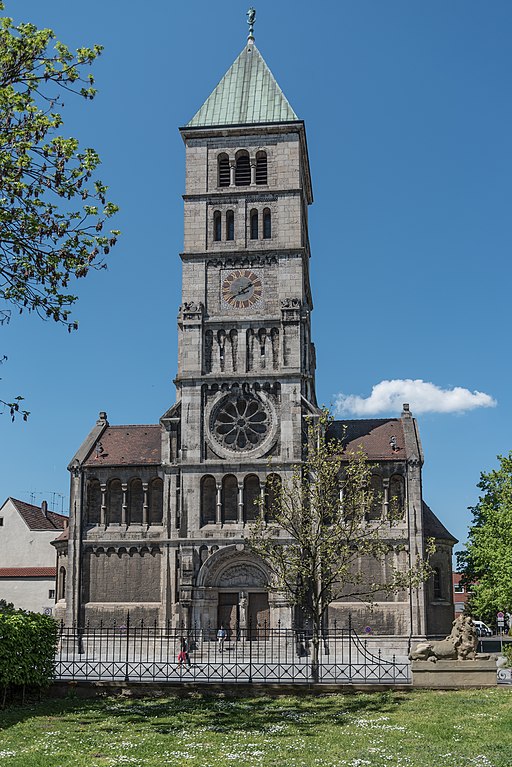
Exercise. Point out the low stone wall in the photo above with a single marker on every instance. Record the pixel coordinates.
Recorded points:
(454, 674)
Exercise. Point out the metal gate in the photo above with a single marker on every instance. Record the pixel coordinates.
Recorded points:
(255, 654)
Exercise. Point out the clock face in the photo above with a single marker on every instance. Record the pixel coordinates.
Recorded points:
(241, 288)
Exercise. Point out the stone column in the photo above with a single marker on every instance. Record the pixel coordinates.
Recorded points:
(253, 172)
(124, 510)
(232, 168)
(240, 503)
(145, 506)
(385, 498)
(103, 512)
(218, 518)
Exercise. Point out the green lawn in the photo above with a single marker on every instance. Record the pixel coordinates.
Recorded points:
(416, 729)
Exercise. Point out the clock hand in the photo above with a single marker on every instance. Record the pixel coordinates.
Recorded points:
(243, 290)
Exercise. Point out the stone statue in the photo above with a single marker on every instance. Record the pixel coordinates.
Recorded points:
(460, 644)
(251, 16)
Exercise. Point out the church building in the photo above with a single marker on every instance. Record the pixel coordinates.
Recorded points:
(159, 513)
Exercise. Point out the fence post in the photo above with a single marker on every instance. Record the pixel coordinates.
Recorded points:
(350, 646)
(127, 655)
(250, 651)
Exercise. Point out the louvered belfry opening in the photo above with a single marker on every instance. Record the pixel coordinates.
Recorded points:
(243, 170)
(224, 177)
(261, 168)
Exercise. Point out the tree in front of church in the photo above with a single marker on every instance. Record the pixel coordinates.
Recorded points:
(486, 561)
(53, 209)
(317, 530)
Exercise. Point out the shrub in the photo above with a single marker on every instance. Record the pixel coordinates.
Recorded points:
(27, 650)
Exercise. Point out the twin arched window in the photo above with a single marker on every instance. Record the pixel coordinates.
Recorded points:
(255, 224)
(229, 226)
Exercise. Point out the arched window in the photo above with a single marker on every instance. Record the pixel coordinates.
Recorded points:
(251, 497)
(242, 170)
(208, 500)
(223, 167)
(254, 224)
(217, 226)
(273, 489)
(208, 348)
(396, 495)
(267, 224)
(93, 501)
(156, 501)
(136, 502)
(376, 490)
(438, 585)
(229, 499)
(115, 501)
(61, 592)
(230, 225)
(261, 168)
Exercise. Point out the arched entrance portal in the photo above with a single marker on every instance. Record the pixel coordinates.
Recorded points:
(233, 591)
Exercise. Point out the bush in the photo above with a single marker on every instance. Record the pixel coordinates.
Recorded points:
(27, 650)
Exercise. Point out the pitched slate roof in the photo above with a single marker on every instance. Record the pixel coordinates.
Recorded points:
(374, 436)
(433, 527)
(35, 519)
(27, 572)
(247, 94)
(127, 446)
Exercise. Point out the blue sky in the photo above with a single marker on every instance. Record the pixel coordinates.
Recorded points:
(409, 122)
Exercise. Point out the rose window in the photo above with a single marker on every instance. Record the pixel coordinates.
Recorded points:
(241, 423)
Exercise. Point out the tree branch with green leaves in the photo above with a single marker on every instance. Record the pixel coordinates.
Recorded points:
(318, 530)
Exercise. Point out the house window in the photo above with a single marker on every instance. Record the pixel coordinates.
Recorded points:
(1, 521)
(223, 169)
(458, 588)
(254, 224)
(217, 226)
(261, 168)
(267, 224)
(51, 593)
(242, 170)
(230, 225)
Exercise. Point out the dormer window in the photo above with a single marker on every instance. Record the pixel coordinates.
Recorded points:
(242, 169)
(223, 168)
(261, 168)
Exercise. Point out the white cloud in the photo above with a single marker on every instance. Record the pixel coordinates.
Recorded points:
(422, 396)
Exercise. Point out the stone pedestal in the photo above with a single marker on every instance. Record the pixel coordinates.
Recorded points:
(454, 674)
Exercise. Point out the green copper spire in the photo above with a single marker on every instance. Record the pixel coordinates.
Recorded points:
(248, 93)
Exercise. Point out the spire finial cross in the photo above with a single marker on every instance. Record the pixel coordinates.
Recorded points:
(251, 16)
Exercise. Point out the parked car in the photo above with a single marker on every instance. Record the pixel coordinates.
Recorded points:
(482, 629)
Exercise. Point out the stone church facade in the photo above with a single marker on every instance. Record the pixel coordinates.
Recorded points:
(158, 513)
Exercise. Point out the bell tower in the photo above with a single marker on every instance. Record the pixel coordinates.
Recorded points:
(246, 362)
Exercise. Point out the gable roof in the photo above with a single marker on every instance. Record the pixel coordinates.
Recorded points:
(247, 94)
(35, 519)
(374, 436)
(127, 446)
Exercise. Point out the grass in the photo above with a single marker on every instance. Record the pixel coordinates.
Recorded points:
(416, 729)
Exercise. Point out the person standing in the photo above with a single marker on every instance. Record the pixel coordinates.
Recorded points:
(221, 637)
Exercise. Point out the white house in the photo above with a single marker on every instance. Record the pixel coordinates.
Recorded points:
(27, 558)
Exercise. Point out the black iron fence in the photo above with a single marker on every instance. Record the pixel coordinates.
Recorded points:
(252, 654)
